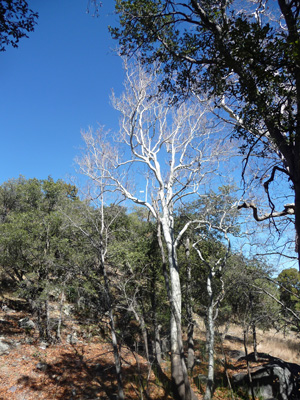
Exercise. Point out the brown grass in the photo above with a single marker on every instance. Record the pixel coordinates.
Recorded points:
(286, 347)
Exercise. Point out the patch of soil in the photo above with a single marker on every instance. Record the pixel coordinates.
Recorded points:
(31, 371)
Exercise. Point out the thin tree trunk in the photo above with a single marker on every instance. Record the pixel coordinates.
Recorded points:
(142, 325)
(40, 321)
(190, 332)
(254, 341)
(248, 364)
(113, 331)
(222, 336)
(47, 321)
(157, 344)
(58, 330)
(156, 330)
(210, 326)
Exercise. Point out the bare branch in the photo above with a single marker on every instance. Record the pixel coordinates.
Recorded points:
(289, 209)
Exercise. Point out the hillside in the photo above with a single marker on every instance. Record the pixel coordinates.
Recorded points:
(82, 365)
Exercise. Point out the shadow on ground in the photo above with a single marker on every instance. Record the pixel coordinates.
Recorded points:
(74, 376)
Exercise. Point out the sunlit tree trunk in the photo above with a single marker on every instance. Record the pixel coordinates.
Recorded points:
(190, 329)
(210, 326)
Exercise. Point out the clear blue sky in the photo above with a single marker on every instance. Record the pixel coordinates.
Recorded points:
(55, 84)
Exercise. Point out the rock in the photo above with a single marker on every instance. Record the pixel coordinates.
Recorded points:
(236, 354)
(233, 338)
(4, 346)
(43, 345)
(200, 380)
(29, 340)
(68, 309)
(13, 389)
(26, 323)
(4, 322)
(6, 309)
(278, 379)
(72, 338)
(42, 366)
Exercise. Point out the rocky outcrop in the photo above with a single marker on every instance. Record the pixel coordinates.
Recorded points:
(276, 379)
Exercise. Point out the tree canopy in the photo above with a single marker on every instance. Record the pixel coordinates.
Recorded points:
(16, 20)
(245, 55)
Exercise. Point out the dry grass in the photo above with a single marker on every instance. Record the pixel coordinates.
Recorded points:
(286, 347)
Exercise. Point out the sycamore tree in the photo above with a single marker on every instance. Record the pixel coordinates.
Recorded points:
(210, 238)
(165, 154)
(246, 55)
(101, 223)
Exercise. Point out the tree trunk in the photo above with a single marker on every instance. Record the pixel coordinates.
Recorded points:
(113, 330)
(254, 341)
(157, 343)
(181, 385)
(248, 364)
(210, 326)
(156, 331)
(47, 321)
(61, 304)
(191, 351)
(140, 320)
(297, 220)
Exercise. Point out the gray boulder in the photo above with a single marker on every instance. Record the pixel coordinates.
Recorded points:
(72, 338)
(4, 345)
(278, 379)
(26, 323)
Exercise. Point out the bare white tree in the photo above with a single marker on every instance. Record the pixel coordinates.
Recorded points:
(223, 223)
(97, 156)
(167, 155)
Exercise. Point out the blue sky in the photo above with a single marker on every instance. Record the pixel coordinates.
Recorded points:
(55, 84)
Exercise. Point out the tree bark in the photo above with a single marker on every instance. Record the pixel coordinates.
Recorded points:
(297, 220)
(210, 326)
(191, 351)
(248, 364)
(180, 383)
(254, 341)
(112, 330)
(156, 351)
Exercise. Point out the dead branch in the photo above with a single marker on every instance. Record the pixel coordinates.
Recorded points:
(289, 209)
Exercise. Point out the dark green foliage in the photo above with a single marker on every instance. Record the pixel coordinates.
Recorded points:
(217, 48)
(246, 300)
(35, 240)
(289, 289)
(16, 20)
(134, 250)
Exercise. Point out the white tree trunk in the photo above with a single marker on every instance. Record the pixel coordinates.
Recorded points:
(210, 326)
(181, 385)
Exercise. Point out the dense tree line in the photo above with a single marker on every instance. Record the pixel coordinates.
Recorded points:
(51, 245)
